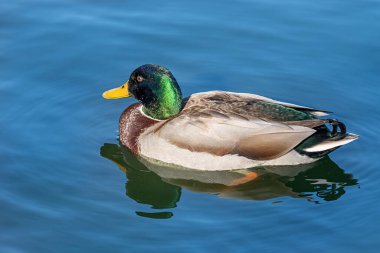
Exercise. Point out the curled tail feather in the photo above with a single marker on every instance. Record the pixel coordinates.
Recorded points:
(337, 137)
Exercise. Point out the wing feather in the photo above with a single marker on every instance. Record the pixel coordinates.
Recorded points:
(222, 96)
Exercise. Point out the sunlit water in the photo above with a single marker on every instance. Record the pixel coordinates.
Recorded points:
(67, 186)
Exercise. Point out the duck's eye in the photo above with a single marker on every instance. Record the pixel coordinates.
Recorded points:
(139, 79)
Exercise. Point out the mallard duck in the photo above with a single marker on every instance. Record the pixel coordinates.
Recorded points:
(219, 130)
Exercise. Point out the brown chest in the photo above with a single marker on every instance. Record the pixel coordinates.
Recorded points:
(131, 124)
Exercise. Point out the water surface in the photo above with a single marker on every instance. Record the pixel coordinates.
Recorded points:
(67, 186)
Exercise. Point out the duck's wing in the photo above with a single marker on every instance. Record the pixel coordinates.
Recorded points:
(309, 110)
(228, 123)
(233, 97)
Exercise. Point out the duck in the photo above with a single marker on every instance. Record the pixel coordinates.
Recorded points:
(219, 130)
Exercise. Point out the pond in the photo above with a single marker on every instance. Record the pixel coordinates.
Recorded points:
(66, 184)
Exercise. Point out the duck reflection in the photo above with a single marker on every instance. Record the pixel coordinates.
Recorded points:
(143, 185)
(160, 186)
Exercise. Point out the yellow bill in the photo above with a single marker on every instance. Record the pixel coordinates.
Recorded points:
(120, 92)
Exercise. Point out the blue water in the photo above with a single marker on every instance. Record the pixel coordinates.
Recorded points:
(60, 189)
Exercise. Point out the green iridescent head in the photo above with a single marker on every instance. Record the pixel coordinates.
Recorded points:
(155, 87)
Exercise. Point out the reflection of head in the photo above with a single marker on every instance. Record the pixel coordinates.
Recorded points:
(148, 188)
(143, 186)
